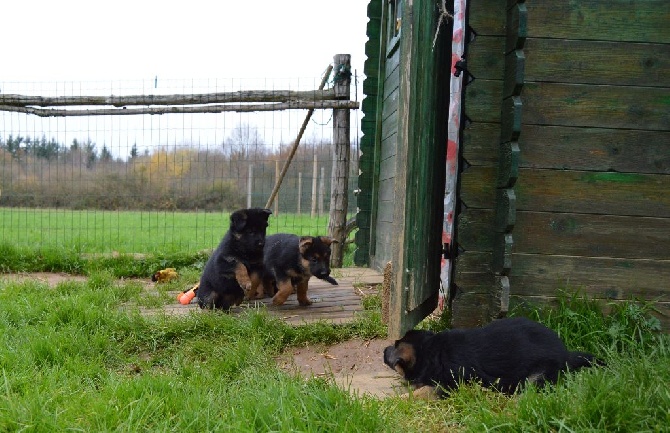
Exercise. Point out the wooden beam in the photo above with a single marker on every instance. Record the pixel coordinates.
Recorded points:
(200, 98)
(220, 108)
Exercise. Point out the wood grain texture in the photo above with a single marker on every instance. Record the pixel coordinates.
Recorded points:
(596, 106)
(571, 234)
(536, 274)
(574, 191)
(613, 20)
(557, 147)
(590, 62)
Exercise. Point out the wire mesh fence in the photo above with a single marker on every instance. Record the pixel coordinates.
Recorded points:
(148, 182)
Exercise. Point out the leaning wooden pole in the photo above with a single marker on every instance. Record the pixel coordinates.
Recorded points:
(275, 190)
(339, 201)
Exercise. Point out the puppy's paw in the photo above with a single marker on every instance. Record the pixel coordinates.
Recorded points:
(305, 302)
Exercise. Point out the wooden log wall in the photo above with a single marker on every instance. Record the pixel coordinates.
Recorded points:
(592, 209)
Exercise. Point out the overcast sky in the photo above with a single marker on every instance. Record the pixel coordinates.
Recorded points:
(75, 47)
(120, 39)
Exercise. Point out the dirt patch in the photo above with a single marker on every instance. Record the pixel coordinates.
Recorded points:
(50, 278)
(356, 365)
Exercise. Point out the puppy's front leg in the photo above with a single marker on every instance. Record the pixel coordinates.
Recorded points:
(243, 279)
(302, 293)
(285, 288)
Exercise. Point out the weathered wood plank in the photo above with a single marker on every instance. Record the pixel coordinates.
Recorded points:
(590, 62)
(539, 274)
(560, 147)
(483, 99)
(614, 20)
(245, 96)
(595, 149)
(388, 145)
(574, 191)
(486, 57)
(387, 169)
(599, 106)
(592, 235)
(216, 108)
(571, 234)
(475, 230)
(488, 17)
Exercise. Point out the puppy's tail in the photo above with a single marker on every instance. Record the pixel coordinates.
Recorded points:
(579, 360)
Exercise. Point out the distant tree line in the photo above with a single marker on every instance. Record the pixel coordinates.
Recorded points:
(43, 173)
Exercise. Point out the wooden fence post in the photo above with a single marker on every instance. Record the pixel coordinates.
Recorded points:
(250, 182)
(341, 152)
(299, 192)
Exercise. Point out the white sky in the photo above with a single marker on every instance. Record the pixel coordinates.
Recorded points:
(78, 47)
(121, 39)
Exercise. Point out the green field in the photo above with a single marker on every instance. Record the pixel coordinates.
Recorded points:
(95, 231)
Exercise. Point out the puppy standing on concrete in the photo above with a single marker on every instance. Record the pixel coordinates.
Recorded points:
(502, 355)
(234, 271)
(290, 261)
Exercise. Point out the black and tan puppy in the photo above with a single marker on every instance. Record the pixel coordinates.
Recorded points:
(290, 261)
(502, 355)
(235, 268)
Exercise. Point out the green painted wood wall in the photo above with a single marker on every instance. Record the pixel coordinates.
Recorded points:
(583, 90)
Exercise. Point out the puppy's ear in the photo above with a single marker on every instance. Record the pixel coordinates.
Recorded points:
(305, 243)
(238, 220)
(267, 211)
(328, 240)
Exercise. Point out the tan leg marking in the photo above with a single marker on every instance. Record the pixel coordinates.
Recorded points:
(285, 288)
(242, 277)
(302, 293)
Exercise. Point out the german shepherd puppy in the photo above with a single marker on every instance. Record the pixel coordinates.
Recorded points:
(234, 270)
(502, 355)
(290, 261)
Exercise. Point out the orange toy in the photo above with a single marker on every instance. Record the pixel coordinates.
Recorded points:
(186, 297)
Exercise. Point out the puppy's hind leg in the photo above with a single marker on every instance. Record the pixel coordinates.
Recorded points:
(285, 288)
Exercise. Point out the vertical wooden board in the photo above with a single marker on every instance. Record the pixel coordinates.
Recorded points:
(515, 63)
(510, 127)
(613, 20)
(517, 27)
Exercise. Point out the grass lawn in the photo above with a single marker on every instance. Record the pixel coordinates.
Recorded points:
(96, 231)
(80, 357)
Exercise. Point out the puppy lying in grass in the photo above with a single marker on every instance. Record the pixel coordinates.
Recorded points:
(235, 268)
(290, 261)
(502, 355)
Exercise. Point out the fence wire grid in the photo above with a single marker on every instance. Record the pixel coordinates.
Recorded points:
(160, 183)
